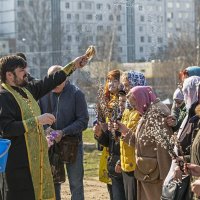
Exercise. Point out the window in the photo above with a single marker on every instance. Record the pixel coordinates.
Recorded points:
(119, 7)
(99, 38)
(108, 6)
(21, 3)
(180, 15)
(34, 59)
(79, 28)
(178, 5)
(30, 3)
(149, 39)
(119, 59)
(119, 28)
(152, 49)
(67, 5)
(69, 38)
(108, 28)
(79, 5)
(141, 49)
(89, 17)
(118, 38)
(77, 16)
(111, 17)
(99, 17)
(77, 38)
(170, 25)
(186, 15)
(68, 16)
(67, 28)
(159, 18)
(149, 18)
(99, 28)
(120, 49)
(170, 5)
(90, 38)
(187, 5)
(140, 28)
(19, 14)
(99, 6)
(118, 18)
(160, 40)
(31, 48)
(142, 39)
(170, 15)
(88, 5)
(142, 18)
(140, 8)
(160, 49)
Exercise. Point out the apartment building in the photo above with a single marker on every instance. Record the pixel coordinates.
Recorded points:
(122, 30)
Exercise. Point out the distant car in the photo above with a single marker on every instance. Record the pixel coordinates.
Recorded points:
(92, 114)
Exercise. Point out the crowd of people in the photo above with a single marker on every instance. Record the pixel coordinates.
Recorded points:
(150, 146)
(145, 145)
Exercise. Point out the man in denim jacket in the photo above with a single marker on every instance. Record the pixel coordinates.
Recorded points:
(69, 107)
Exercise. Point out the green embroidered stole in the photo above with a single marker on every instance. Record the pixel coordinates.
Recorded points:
(36, 145)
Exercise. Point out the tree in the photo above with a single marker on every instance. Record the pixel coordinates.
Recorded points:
(34, 35)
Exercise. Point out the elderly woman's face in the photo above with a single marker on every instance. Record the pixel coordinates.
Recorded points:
(178, 103)
(113, 85)
(131, 100)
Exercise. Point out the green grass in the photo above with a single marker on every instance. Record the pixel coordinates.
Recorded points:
(91, 158)
(91, 163)
(88, 136)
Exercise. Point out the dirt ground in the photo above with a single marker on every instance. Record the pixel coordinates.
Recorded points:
(94, 190)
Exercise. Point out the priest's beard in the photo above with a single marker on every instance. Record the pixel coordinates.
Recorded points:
(21, 82)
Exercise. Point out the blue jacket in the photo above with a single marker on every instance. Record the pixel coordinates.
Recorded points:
(70, 109)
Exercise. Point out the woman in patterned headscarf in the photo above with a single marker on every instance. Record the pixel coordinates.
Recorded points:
(130, 119)
(131, 79)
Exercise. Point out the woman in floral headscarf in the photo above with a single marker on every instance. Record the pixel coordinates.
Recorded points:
(130, 119)
(152, 160)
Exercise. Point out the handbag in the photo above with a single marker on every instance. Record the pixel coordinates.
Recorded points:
(175, 190)
(147, 170)
(57, 166)
(68, 149)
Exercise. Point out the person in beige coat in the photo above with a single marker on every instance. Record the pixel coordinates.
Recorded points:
(152, 160)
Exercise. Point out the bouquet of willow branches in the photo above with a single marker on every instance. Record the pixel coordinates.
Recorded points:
(105, 109)
(101, 107)
(156, 132)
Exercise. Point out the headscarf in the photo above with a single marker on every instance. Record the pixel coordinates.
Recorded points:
(178, 94)
(193, 71)
(144, 96)
(190, 90)
(188, 72)
(136, 78)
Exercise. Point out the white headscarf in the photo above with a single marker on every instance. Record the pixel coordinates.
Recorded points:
(190, 90)
(178, 94)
